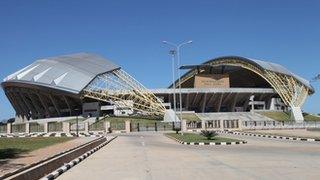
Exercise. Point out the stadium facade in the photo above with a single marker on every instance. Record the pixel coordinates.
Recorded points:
(90, 85)
(233, 83)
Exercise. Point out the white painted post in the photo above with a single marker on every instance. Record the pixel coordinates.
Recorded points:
(203, 124)
(9, 128)
(45, 127)
(86, 127)
(221, 125)
(127, 126)
(66, 127)
(240, 124)
(27, 128)
(183, 125)
(107, 126)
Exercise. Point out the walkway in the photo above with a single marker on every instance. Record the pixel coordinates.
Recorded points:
(153, 156)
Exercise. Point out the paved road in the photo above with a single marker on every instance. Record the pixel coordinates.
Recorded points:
(153, 156)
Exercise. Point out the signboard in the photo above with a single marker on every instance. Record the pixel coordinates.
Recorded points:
(212, 81)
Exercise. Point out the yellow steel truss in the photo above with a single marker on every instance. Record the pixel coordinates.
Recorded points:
(118, 87)
(292, 92)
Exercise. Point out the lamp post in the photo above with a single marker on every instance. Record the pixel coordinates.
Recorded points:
(173, 53)
(177, 50)
(316, 78)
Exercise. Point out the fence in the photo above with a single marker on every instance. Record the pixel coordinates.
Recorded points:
(252, 125)
(151, 126)
(36, 127)
(193, 124)
(18, 128)
(73, 126)
(97, 126)
(214, 124)
(117, 125)
(231, 124)
(54, 126)
(3, 128)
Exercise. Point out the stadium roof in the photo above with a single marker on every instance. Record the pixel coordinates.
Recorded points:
(68, 72)
(261, 64)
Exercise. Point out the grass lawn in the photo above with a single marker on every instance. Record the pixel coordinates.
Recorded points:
(13, 147)
(189, 117)
(192, 137)
(284, 116)
(132, 119)
(310, 117)
(278, 116)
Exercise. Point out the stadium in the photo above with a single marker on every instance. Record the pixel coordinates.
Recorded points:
(91, 86)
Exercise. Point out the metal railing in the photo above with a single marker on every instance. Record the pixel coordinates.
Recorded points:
(36, 127)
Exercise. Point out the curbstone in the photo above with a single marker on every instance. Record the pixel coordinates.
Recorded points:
(51, 134)
(67, 166)
(269, 136)
(207, 144)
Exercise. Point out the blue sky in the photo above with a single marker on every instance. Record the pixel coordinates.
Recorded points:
(130, 34)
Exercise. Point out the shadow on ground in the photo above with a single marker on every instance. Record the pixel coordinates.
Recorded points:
(10, 153)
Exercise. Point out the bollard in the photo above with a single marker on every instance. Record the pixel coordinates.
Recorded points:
(86, 127)
(155, 126)
(27, 128)
(9, 128)
(183, 125)
(107, 127)
(45, 127)
(127, 126)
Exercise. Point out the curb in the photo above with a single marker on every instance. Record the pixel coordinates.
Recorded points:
(206, 144)
(270, 136)
(67, 166)
(51, 134)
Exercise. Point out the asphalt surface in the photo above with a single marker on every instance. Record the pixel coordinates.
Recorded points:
(154, 156)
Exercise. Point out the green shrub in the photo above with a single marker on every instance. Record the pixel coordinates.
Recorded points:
(109, 130)
(177, 129)
(209, 134)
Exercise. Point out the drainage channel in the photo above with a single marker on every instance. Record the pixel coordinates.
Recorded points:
(43, 168)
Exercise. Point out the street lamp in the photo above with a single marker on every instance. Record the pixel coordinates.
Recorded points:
(173, 53)
(316, 78)
(177, 51)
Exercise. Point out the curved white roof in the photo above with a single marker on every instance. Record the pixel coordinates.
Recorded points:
(262, 64)
(280, 69)
(68, 72)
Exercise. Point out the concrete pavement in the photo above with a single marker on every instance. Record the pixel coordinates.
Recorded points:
(153, 156)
